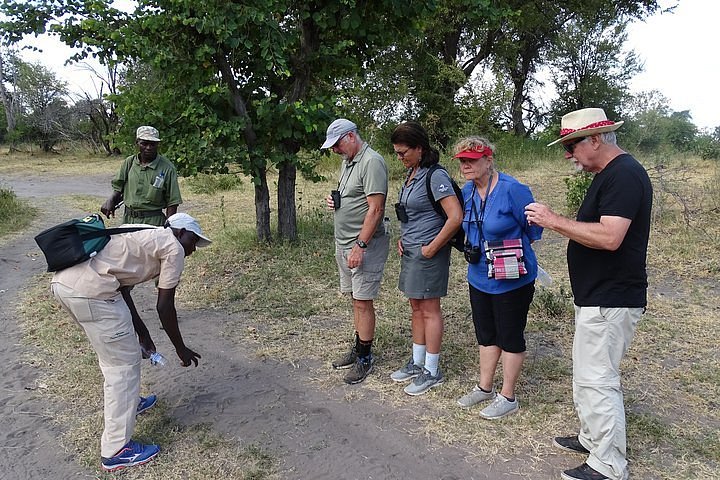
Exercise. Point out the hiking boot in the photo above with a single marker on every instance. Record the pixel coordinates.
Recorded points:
(133, 453)
(360, 369)
(571, 444)
(424, 382)
(407, 372)
(146, 403)
(583, 472)
(346, 361)
(475, 396)
(500, 407)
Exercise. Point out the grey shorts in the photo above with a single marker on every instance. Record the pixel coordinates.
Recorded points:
(422, 277)
(364, 281)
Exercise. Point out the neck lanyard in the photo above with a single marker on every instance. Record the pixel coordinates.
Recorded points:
(479, 218)
(404, 185)
(346, 178)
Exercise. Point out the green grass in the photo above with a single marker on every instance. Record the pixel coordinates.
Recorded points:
(15, 214)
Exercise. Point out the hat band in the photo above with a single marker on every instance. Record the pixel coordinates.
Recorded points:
(475, 152)
(568, 131)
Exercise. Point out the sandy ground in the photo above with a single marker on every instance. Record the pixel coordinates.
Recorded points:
(314, 434)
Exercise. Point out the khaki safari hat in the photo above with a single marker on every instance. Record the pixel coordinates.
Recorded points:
(183, 220)
(336, 130)
(148, 133)
(583, 123)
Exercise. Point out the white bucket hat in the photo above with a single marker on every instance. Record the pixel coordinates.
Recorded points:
(183, 220)
(583, 123)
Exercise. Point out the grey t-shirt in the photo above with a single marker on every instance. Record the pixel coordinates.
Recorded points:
(366, 174)
(423, 223)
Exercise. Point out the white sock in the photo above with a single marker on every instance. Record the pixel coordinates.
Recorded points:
(431, 363)
(418, 354)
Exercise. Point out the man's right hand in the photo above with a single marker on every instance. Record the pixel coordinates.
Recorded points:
(330, 203)
(108, 208)
(187, 356)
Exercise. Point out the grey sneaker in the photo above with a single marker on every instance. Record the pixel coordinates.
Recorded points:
(475, 396)
(346, 361)
(407, 372)
(500, 407)
(360, 369)
(571, 444)
(424, 382)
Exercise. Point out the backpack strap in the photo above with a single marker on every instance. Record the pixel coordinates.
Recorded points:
(111, 231)
(436, 205)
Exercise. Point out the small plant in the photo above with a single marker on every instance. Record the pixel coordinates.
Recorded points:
(14, 213)
(577, 187)
(551, 304)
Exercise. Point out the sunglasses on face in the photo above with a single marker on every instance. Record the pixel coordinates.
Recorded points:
(570, 146)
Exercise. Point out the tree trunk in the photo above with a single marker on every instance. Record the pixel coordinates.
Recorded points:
(7, 102)
(287, 215)
(262, 207)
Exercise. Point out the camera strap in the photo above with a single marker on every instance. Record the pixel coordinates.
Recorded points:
(347, 169)
(479, 218)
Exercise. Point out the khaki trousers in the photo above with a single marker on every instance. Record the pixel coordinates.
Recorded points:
(108, 325)
(602, 336)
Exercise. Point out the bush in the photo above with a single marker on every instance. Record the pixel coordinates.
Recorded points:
(577, 187)
(209, 184)
(15, 214)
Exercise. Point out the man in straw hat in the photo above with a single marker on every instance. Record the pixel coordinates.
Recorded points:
(361, 243)
(94, 293)
(606, 259)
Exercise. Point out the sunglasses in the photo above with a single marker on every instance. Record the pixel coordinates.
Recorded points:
(570, 146)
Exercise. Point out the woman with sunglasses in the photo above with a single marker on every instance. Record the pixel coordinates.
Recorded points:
(501, 271)
(424, 250)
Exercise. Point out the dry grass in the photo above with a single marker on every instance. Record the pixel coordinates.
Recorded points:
(288, 294)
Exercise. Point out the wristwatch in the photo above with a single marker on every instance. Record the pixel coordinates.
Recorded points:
(360, 243)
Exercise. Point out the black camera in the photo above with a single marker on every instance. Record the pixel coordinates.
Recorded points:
(401, 213)
(472, 253)
(335, 195)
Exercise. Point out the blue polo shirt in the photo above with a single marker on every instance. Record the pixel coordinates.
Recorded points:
(503, 219)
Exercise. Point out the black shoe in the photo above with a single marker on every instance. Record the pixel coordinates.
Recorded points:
(583, 472)
(571, 444)
(361, 369)
(346, 361)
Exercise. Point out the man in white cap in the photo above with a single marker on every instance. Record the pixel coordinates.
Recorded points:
(95, 293)
(147, 183)
(361, 242)
(607, 263)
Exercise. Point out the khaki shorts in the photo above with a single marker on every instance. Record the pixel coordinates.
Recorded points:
(364, 281)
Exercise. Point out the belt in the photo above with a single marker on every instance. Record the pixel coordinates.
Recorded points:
(131, 212)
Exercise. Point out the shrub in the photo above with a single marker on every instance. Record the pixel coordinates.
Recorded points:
(577, 187)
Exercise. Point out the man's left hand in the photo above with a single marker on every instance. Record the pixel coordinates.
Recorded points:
(187, 356)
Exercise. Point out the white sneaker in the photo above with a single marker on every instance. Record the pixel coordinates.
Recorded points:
(500, 407)
(475, 396)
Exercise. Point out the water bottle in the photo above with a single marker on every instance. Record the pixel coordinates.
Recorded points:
(386, 225)
(159, 180)
(543, 277)
(156, 359)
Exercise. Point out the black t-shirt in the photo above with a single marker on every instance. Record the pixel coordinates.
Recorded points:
(601, 278)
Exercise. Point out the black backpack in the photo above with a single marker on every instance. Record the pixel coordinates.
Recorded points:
(458, 240)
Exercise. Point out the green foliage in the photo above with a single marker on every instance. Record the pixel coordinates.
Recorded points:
(707, 145)
(577, 186)
(591, 68)
(210, 184)
(15, 214)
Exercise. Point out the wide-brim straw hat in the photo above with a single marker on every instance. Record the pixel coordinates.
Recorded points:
(583, 123)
